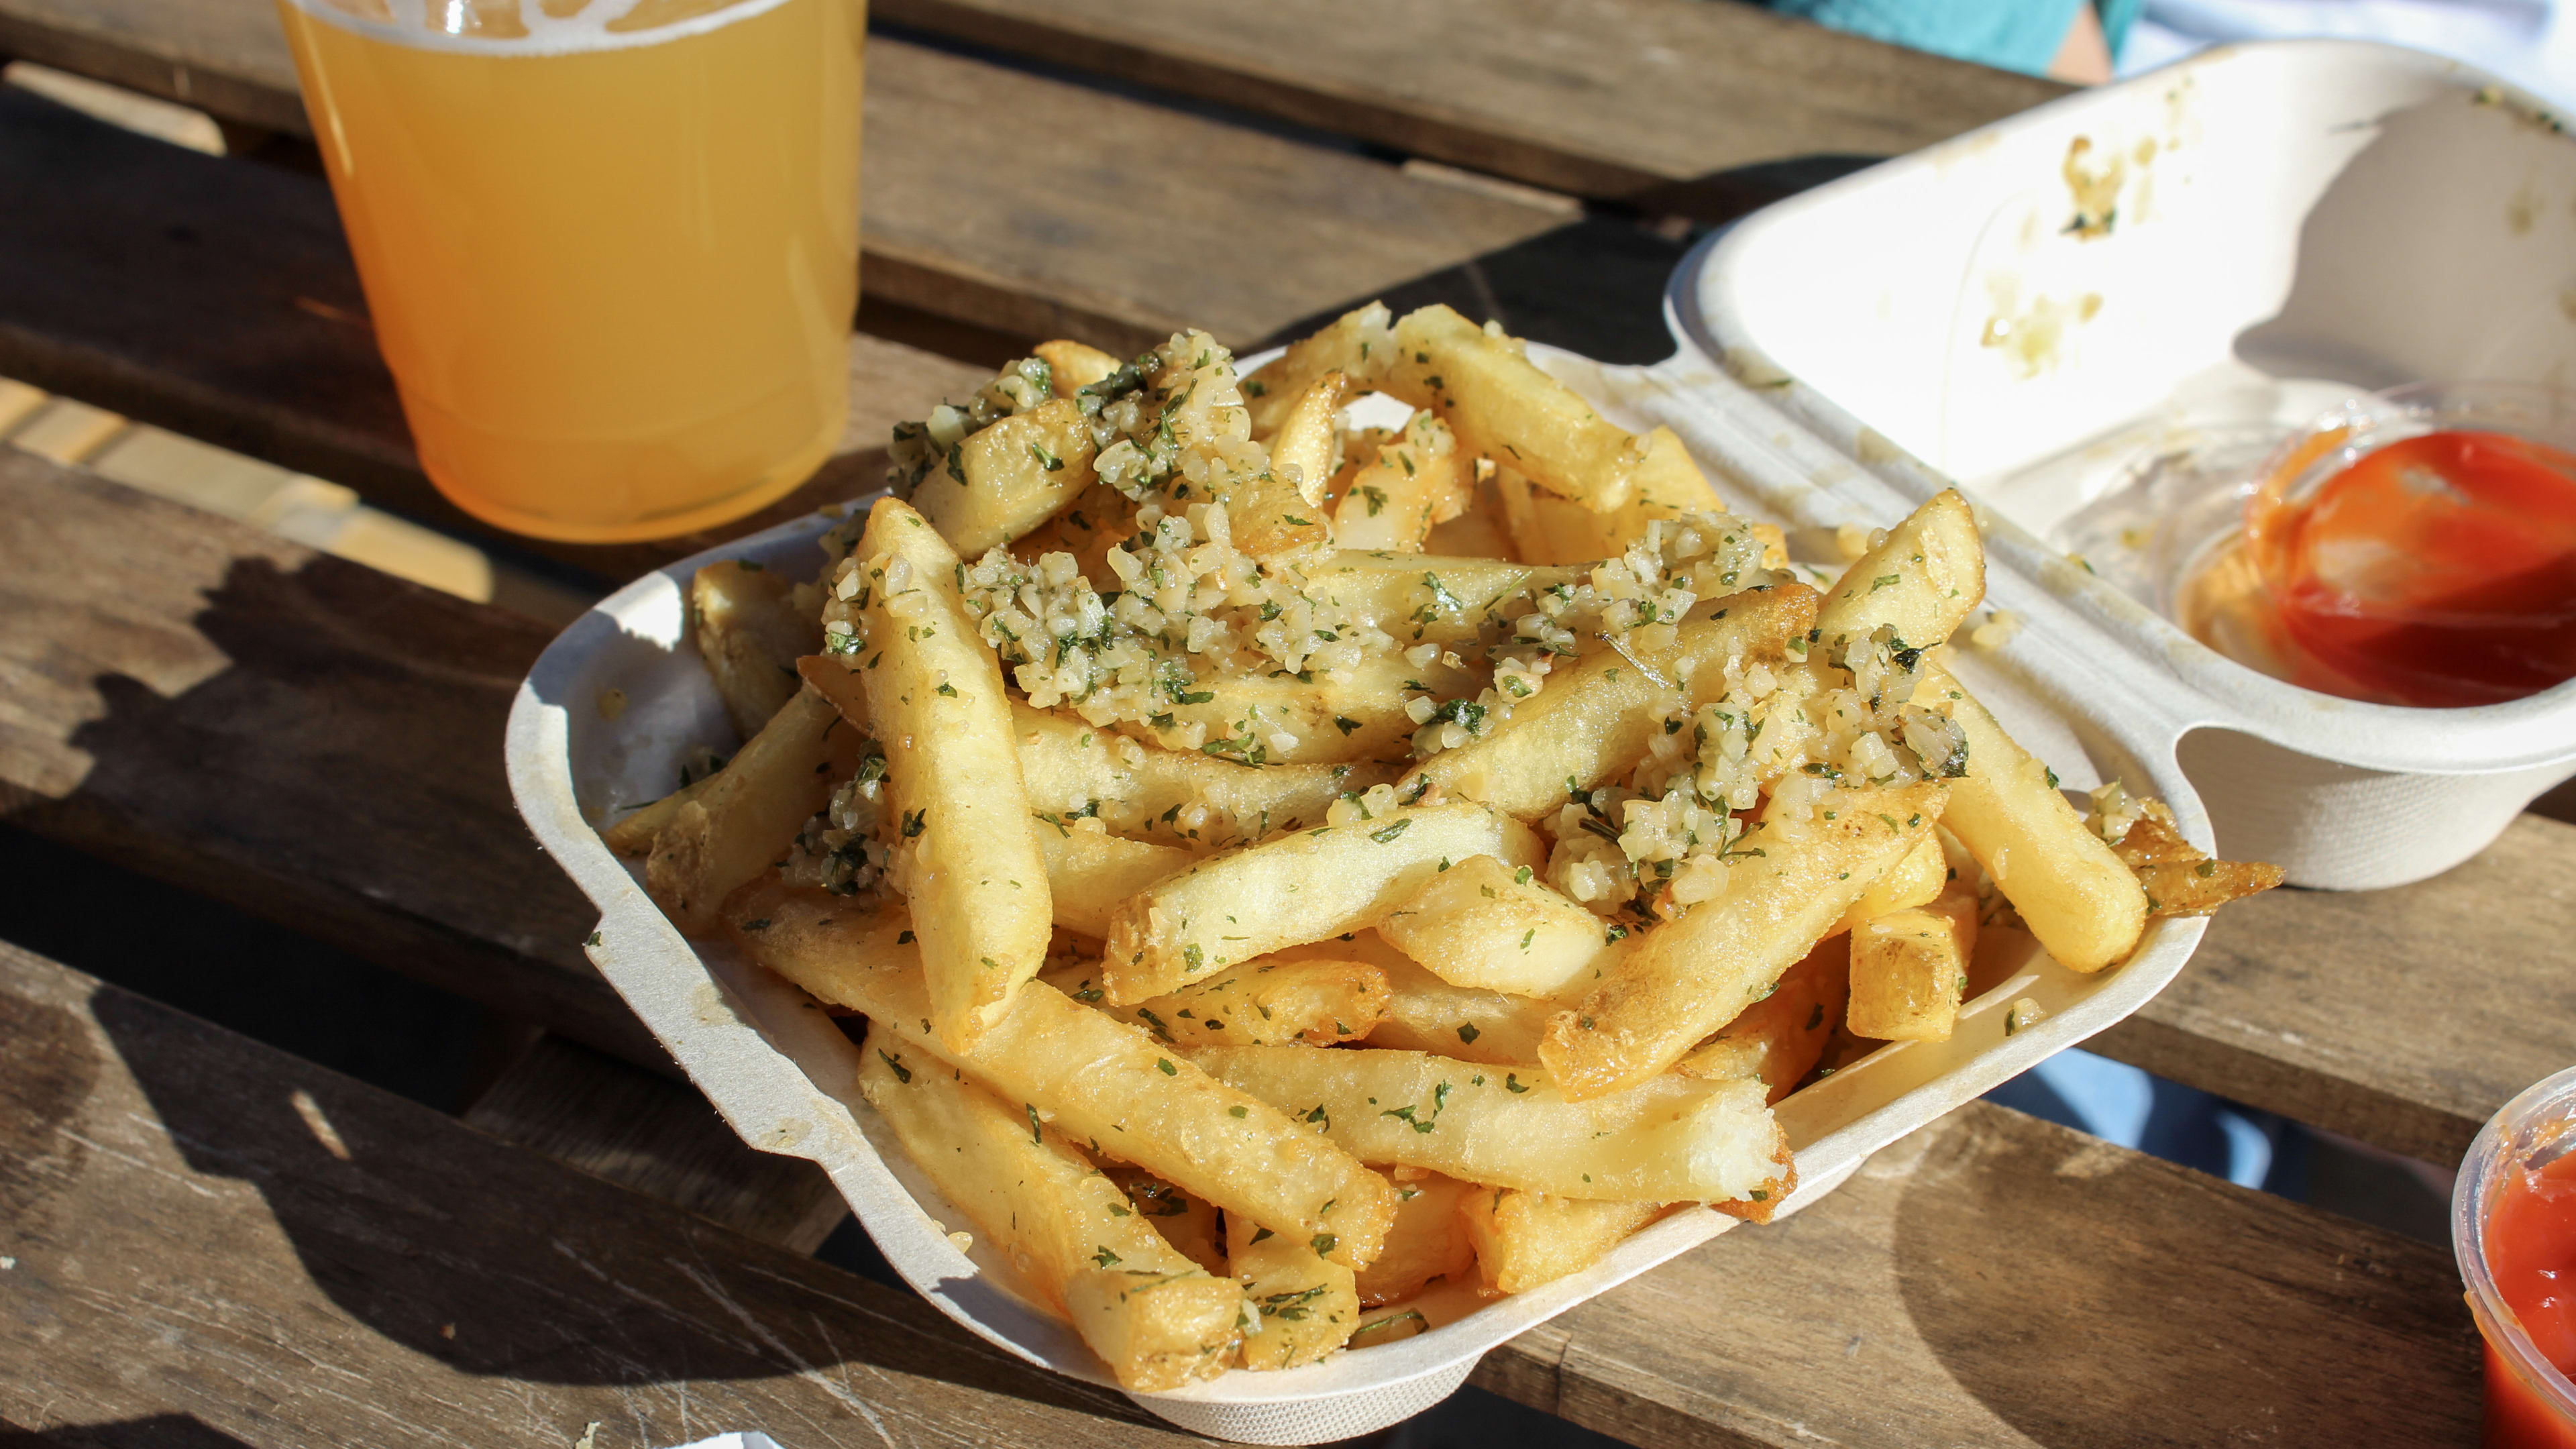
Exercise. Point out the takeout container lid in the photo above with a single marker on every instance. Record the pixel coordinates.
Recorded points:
(2293, 222)
(784, 1075)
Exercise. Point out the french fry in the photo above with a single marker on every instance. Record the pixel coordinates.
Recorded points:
(1526, 1239)
(978, 887)
(1305, 452)
(1098, 519)
(1780, 1038)
(1680, 982)
(1909, 968)
(1304, 1306)
(1481, 531)
(1502, 405)
(1668, 1139)
(1089, 871)
(1108, 1084)
(1914, 881)
(1548, 529)
(1008, 477)
(1484, 924)
(1155, 1317)
(1355, 344)
(1298, 888)
(1428, 599)
(2077, 897)
(1595, 722)
(1188, 1223)
(735, 824)
(1418, 480)
(1073, 366)
(1922, 579)
(1339, 716)
(1190, 799)
(1427, 1243)
(1427, 1014)
(750, 629)
(2178, 879)
(1321, 1000)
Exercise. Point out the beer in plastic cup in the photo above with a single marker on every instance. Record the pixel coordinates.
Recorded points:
(610, 249)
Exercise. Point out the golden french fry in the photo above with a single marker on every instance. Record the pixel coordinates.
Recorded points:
(1098, 520)
(1427, 1014)
(1008, 477)
(2178, 879)
(1155, 1317)
(1319, 1000)
(1677, 984)
(1427, 1243)
(1923, 578)
(750, 629)
(1668, 1139)
(1914, 881)
(1481, 531)
(2075, 895)
(1188, 1223)
(977, 885)
(1428, 599)
(1500, 404)
(1484, 924)
(1526, 1239)
(1595, 721)
(1547, 528)
(1909, 968)
(1354, 344)
(1780, 1038)
(1304, 453)
(738, 824)
(1073, 366)
(1108, 1085)
(1340, 715)
(1298, 888)
(1304, 1306)
(1191, 799)
(1416, 481)
(1089, 871)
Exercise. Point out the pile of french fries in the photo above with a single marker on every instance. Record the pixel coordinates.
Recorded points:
(1282, 865)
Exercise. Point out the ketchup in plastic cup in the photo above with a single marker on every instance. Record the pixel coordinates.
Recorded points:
(2416, 547)
(2513, 1228)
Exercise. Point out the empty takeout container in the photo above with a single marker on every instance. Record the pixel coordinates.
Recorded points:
(2179, 270)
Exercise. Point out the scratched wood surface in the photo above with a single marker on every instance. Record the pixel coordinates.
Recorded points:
(1677, 106)
(206, 1242)
(204, 1232)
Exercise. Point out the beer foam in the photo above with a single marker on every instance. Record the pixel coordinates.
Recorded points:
(530, 27)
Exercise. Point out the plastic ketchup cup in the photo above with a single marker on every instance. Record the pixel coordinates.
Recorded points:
(2513, 1227)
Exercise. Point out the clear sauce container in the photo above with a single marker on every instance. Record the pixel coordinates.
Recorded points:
(2513, 1229)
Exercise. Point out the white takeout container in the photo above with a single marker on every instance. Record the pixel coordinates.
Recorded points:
(2296, 223)
(784, 1074)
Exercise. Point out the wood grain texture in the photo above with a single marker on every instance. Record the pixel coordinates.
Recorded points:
(2402, 1017)
(1996, 1280)
(1678, 106)
(220, 1244)
(302, 737)
(642, 1130)
(217, 299)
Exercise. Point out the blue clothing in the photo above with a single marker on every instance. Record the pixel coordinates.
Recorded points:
(2022, 35)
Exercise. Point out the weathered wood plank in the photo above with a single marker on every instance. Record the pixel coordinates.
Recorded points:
(1998, 1280)
(2403, 1017)
(658, 1136)
(994, 195)
(1678, 106)
(213, 1237)
(302, 737)
(217, 299)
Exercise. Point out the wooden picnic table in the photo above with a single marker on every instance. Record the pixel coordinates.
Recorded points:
(203, 1237)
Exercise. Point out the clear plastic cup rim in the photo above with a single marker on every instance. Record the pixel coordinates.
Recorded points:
(2540, 1121)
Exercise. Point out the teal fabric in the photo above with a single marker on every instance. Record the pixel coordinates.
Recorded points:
(2020, 35)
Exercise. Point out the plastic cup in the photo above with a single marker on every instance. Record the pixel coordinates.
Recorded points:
(2530, 1404)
